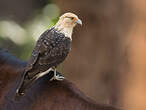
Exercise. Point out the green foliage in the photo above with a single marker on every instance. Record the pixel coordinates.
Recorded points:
(55, 20)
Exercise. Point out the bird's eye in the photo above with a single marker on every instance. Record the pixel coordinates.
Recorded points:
(72, 18)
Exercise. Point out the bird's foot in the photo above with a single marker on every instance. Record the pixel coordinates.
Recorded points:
(57, 76)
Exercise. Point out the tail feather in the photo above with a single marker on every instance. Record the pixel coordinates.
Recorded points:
(26, 83)
(24, 86)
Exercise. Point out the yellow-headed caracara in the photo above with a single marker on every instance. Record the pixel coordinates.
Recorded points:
(51, 49)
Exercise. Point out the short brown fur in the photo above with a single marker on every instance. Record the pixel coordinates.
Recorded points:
(44, 95)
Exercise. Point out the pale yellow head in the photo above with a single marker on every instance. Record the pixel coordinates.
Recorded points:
(67, 22)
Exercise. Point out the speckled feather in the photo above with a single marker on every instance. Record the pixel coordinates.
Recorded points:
(51, 49)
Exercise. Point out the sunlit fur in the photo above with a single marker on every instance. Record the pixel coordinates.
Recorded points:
(66, 24)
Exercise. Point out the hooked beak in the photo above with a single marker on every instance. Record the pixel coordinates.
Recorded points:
(79, 21)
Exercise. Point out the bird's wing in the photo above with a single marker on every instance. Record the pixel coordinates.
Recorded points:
(32, 67)
(42, 47)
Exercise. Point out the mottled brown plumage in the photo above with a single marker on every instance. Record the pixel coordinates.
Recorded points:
(51, 49)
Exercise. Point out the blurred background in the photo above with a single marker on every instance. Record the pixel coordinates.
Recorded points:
(108, 56)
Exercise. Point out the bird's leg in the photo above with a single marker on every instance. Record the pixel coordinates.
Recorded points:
(57, 76)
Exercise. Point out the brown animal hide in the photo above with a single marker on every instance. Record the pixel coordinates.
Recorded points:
(43, 95)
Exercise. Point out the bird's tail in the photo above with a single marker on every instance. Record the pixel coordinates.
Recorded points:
(23, 87)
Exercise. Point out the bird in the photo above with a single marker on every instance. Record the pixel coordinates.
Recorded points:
(52, 48)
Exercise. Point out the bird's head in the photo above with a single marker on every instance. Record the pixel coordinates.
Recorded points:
(67, 22)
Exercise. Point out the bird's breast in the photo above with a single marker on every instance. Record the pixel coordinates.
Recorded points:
(60, 45)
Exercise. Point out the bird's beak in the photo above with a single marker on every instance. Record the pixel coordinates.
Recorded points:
(79, 22)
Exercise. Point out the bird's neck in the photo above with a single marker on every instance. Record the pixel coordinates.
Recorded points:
(65, 30)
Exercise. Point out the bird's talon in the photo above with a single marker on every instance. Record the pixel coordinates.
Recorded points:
(58, 77)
